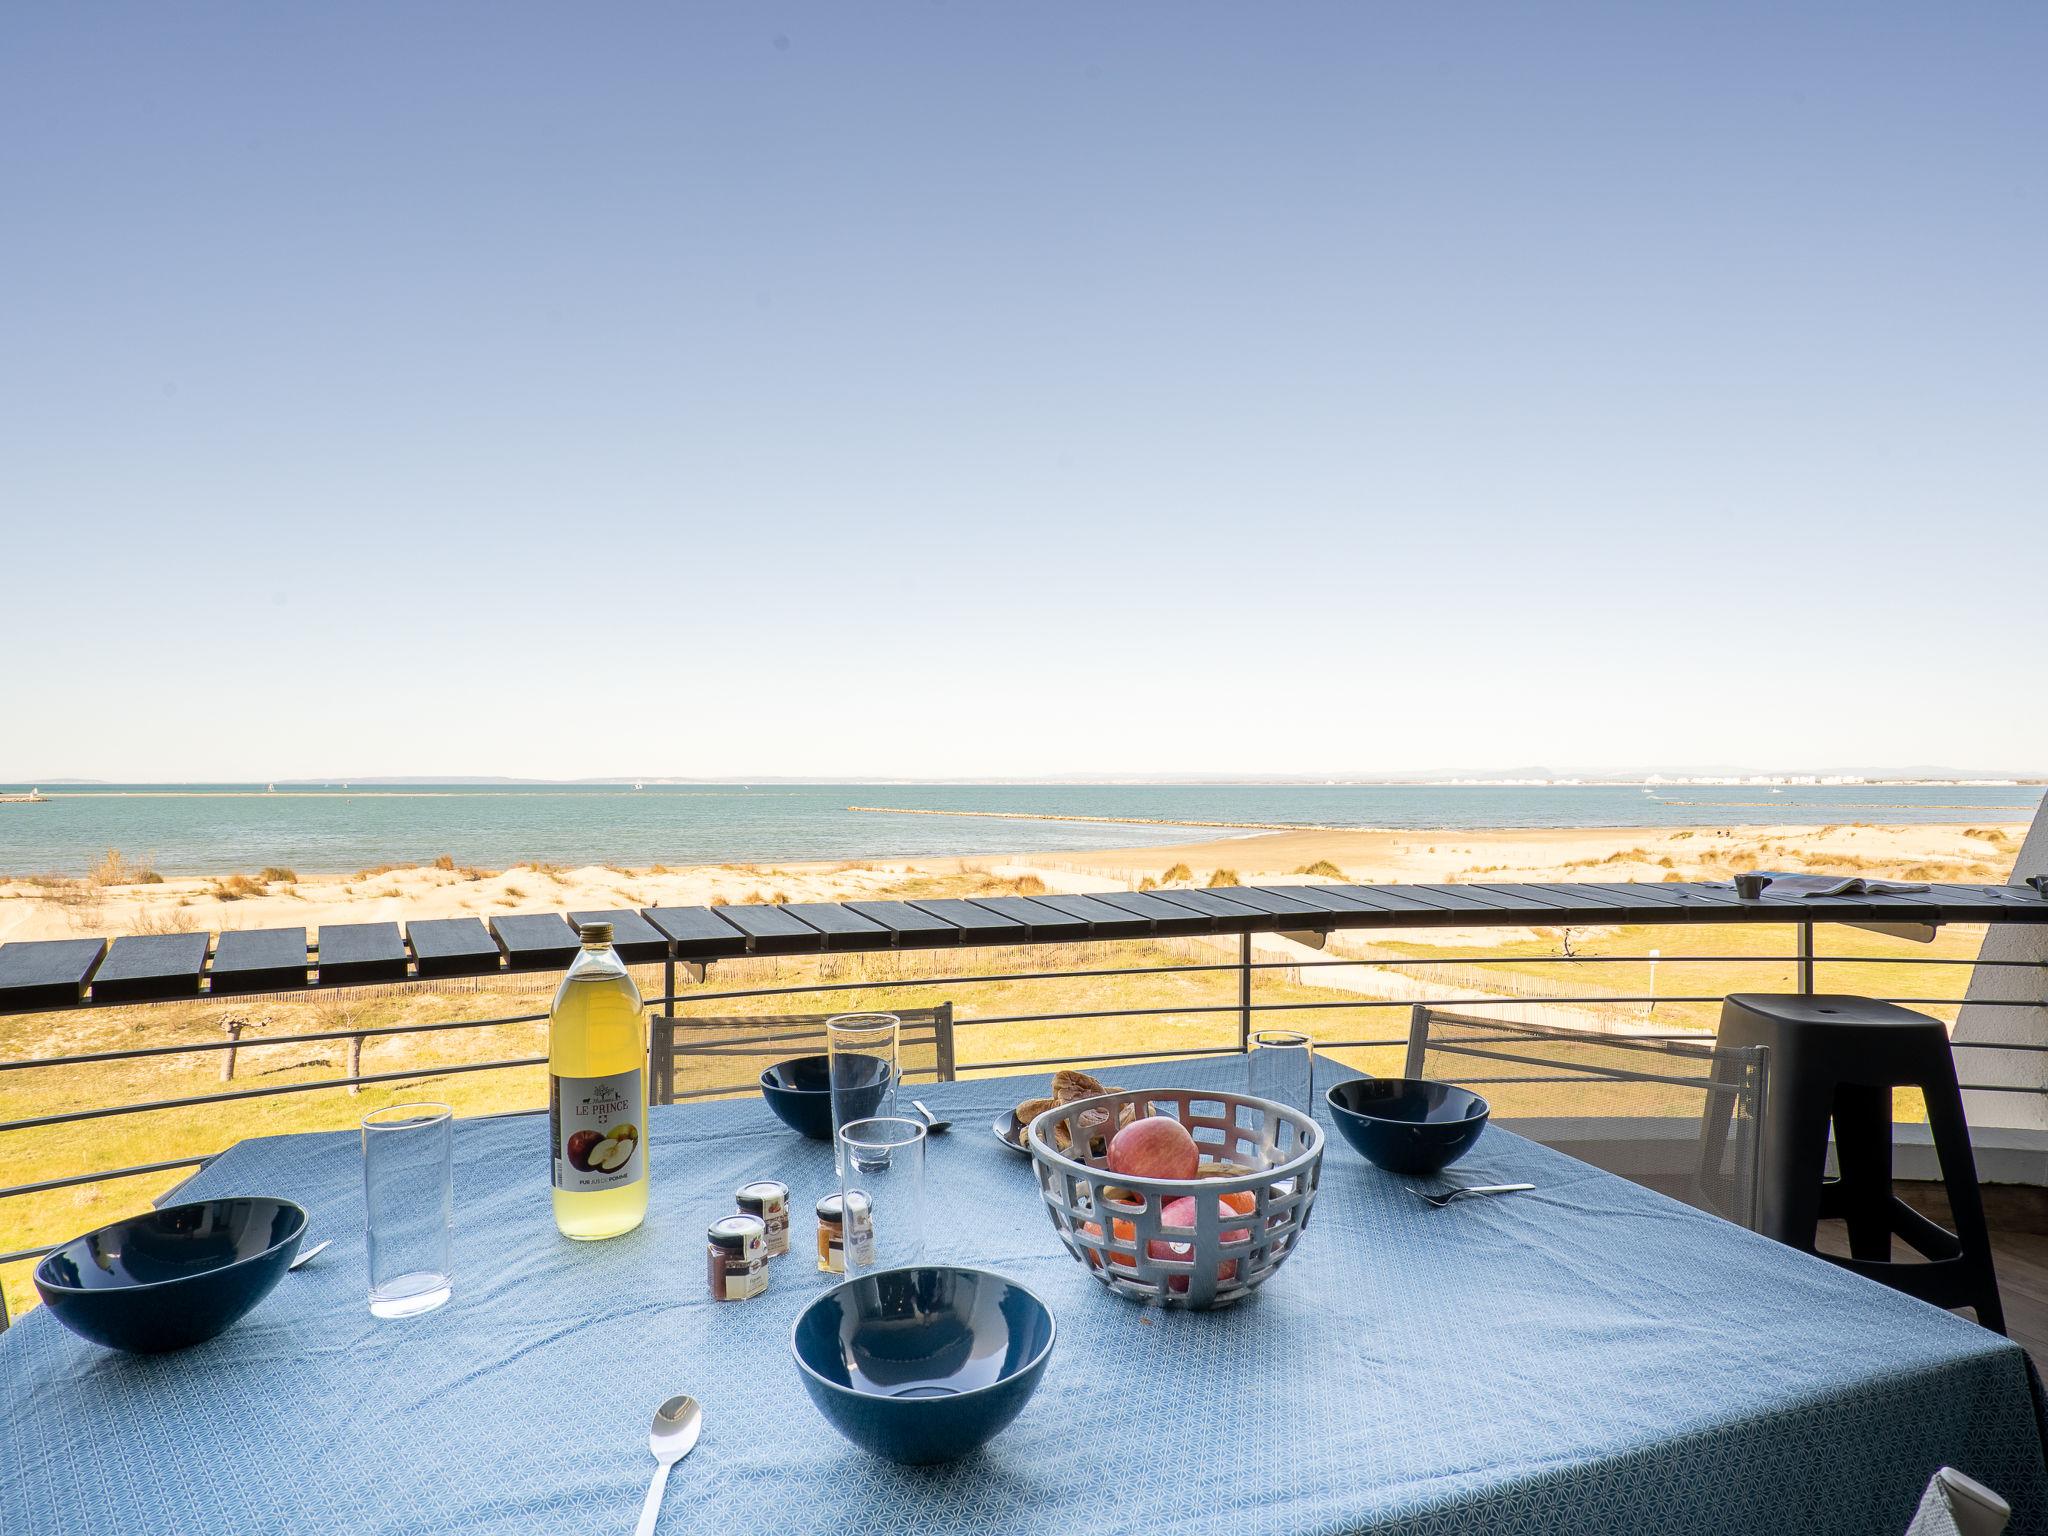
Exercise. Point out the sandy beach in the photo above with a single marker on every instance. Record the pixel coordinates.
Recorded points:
(119, 899)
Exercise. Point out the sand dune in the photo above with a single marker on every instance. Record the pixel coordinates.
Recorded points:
(49, 908)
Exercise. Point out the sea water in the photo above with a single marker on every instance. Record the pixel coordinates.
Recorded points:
(215, 829)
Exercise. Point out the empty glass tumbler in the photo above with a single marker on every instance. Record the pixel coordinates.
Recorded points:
(882, 1179)
(409, 1196)
(861, 1052)
(1281, 1067)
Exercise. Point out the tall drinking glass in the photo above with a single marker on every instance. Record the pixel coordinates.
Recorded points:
(409, 1194)
(882, 1179)
(1281, 1067)
(861, 1052)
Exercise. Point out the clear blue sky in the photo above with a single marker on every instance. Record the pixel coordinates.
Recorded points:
(999, 388)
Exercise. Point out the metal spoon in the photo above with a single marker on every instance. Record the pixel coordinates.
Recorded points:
(1444, 1199)
(677, 1424)
(306, 1255)
(933, 1125)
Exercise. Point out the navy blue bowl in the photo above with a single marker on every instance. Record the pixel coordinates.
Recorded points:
(170, 1278)
(1405, 1124)
(800, 1092)
(923, 1364)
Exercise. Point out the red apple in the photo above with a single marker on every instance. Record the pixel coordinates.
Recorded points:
(1180, 1212)
(579, 1149)
(1156, 1147)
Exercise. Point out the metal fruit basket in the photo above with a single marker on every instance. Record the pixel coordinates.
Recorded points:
(1226, 1253)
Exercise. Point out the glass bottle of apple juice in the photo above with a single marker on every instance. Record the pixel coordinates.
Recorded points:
(597, 1094)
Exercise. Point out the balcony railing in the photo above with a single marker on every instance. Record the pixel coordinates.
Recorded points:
(1228, 987)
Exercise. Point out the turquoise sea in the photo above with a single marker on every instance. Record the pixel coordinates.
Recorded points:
(217, 828)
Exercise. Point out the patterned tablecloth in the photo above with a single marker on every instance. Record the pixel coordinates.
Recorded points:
(1588, 1358)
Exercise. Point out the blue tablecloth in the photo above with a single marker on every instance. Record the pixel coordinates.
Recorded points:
(1588, 1358)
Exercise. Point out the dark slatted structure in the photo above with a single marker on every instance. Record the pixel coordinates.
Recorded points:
(352, 954)
(908, 927)
(1279, 903)
(1226, 913)
(842, 927)
(59, 973)
(1104, 921)
(637, 940)
(976, 923)
(51, 974)
(259, 960)
(452, 946)
(698, 933)
(1167, 918)
(150, 965)
(1043, 924)
(772, 931)
(536, 941)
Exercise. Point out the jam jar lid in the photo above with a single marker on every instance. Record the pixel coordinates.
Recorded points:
(733, 1231)
(753, 1196)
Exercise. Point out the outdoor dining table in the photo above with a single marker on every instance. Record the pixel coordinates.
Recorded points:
(1588, 1357)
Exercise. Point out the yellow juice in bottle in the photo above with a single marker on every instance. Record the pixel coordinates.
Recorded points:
(597, 1094)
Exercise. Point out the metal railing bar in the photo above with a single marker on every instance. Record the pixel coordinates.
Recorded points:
(1106, 1056)
(1596, 1074)
(1997, 1088)
(72, 1116)
(1096, 1013)
(248, 1044)
(732, 994)
(1487, 1000)
(1354, 1045)
(1704, 1084)
(72, 1180)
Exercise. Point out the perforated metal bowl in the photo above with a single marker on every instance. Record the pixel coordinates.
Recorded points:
(1225, 1254)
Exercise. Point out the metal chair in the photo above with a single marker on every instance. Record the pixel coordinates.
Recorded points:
(1955, 1505)
(1679, 1116)
(752, 1043)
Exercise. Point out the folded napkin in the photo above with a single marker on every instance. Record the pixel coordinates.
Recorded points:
(1829, 885)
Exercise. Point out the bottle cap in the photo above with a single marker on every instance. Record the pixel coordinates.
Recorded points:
(735, 1232)
(596, 933)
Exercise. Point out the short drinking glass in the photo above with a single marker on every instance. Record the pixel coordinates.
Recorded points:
(1281, 1067)
(882, 1179)
(409, 1193)
(860, 1050)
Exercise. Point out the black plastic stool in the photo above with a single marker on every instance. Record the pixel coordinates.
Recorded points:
(1835, 1057)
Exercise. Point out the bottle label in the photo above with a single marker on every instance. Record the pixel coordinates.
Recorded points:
(860, 1237)
(596, 1127)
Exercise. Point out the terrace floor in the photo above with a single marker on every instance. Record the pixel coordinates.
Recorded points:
(2019, 1248)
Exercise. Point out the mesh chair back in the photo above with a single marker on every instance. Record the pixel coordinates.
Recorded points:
(700, 1058)
(1678, 1116)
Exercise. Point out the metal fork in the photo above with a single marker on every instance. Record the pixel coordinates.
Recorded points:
(1444, 1199)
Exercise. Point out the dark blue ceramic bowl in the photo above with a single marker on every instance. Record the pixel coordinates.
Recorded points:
(1407, 1125)
(800, 1092)
(172, 1277)
(923, 1364)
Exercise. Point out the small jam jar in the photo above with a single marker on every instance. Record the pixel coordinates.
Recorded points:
(735, 1260)
(844, 1221)
(769, 1200)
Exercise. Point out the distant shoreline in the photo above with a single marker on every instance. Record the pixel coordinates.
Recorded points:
(1115, 821)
